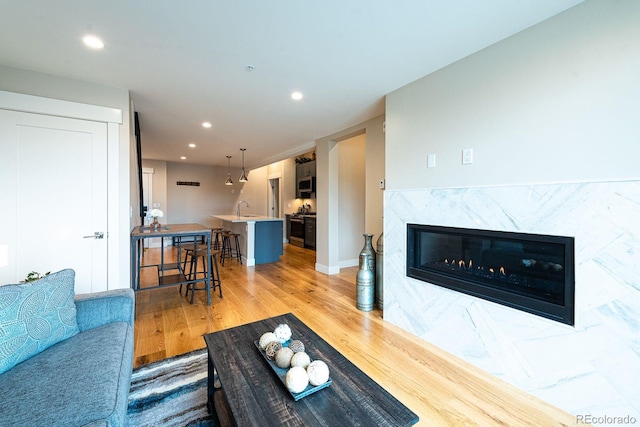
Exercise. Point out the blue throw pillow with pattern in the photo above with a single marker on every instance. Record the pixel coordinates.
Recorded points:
(35, 316)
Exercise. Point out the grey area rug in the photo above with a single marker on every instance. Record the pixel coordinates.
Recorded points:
(170, 392)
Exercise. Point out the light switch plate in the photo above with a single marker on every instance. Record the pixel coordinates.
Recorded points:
(382, 184)
(467, 156)
(431, 161)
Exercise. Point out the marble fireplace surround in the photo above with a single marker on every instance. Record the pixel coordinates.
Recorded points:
(589, 368)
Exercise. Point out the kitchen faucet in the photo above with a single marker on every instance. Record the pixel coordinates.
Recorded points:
(241, 202)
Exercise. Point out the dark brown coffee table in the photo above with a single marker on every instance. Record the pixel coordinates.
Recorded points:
(253, 395)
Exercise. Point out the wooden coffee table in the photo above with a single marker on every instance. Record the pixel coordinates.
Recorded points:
(253, 395)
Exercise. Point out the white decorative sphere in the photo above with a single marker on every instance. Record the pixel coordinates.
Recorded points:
(283, 357)
(300, 359)
(318, 372)
(297, 379)
(266, 338)
(283, 333)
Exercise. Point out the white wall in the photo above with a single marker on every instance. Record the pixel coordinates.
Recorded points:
(351, 198)
(555, 104)
(327, 181)
(186, 204)
(49, 86)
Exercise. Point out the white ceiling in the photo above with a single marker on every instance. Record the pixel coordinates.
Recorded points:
(184, 61)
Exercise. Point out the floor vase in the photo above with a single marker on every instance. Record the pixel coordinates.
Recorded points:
(366, 276)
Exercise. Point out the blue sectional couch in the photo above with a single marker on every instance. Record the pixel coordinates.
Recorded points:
(82, 380)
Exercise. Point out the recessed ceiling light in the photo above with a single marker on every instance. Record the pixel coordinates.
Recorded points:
(192, 145)
(93, 42)
(183, 158)
(206, 125)
(296, 96)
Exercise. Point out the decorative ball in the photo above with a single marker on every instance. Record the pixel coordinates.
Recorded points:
(283, 333)
(283, 357)
(271, 349)
(297, 346)
(300, 359)
(318, 372)
(266, 338)
(297, 379)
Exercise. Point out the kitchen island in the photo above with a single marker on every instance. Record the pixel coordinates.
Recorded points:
(261, 237)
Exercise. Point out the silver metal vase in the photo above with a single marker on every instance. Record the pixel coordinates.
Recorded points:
(366, 276)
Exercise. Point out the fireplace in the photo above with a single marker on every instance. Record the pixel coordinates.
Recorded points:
(529, 272)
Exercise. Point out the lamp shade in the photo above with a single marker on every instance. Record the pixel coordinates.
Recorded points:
(228, 181)
(243, 175)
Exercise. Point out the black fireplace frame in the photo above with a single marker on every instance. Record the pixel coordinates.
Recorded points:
(564, 313)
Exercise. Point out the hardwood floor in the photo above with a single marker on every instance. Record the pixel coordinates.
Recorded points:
(442, 389)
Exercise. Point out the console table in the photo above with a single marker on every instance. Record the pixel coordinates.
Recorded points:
(254, 395)
(172, 231)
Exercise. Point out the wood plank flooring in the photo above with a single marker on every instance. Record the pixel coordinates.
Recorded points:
(442, 389)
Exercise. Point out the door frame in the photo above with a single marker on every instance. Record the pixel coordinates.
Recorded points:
(113, 118)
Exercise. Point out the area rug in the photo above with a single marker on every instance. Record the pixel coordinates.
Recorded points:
(170, 392)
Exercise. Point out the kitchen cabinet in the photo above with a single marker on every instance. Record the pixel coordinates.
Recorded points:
(260, 236)
(310, 232)
(306, 180)
(288, 225)
(306, 169)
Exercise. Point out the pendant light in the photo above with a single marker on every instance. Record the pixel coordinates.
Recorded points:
(228, 181)
(243, 176)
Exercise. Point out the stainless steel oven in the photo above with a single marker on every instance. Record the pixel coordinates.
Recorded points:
(297, 231)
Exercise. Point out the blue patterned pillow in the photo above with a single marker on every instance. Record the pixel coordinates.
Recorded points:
(35, 316)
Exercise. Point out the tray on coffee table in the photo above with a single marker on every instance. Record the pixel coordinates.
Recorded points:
(281, 373)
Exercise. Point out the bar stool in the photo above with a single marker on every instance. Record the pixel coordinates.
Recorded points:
(217, 241)
(193, 257)
(227, 249)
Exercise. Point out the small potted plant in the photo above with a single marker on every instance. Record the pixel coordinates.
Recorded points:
(34, 275)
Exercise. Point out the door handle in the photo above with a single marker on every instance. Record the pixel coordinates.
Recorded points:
(96, 235)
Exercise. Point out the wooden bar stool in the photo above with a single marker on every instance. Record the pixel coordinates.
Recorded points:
(217, 241)
(228, 250)
(193, 256)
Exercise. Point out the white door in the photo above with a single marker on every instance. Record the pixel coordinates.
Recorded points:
(58, 168)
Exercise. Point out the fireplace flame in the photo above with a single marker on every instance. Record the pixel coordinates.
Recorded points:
(461, 264)
(502, 271)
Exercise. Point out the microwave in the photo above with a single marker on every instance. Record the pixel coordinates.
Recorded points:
(306, 187)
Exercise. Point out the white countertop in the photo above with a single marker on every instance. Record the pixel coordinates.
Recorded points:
(245, 218)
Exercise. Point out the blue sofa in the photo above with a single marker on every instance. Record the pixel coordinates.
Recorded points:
(83, 380)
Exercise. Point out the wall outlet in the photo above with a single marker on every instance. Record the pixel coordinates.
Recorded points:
(431, 161)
